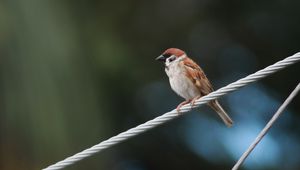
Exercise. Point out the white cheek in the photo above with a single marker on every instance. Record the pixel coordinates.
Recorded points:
(167, 63)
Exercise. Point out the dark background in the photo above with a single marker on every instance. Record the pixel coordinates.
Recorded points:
(74, 73)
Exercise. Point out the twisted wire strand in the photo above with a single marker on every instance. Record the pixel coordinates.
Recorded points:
(172, 114)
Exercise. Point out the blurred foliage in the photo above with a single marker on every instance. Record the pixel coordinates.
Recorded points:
(74, 73)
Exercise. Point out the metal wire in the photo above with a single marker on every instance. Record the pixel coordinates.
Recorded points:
(266, 128)
(172, 114)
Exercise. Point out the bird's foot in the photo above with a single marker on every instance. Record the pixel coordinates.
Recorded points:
(181, 104)
(194, 100)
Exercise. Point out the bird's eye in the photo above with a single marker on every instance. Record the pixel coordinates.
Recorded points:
(172, 58)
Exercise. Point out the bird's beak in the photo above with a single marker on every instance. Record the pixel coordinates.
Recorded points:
(161, 58)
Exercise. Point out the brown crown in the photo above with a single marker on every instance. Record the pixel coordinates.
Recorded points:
(174, 51)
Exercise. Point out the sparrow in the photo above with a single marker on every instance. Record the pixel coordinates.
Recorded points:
(188, 80)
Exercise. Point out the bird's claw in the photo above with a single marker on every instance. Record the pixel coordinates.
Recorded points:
(194, 100)
(180, 105)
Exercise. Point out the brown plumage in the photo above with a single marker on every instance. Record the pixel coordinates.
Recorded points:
(188, 80)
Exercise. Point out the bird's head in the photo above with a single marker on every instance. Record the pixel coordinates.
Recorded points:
(171, 55)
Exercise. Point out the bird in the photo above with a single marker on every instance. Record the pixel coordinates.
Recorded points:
(189, 81)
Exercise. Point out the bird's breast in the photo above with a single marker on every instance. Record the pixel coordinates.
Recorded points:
(181, 84)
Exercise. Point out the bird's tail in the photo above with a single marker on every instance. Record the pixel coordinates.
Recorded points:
(218, 108)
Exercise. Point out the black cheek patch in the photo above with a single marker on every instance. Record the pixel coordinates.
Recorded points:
(172, 59)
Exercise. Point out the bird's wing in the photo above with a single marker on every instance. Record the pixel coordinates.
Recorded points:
(197, 76)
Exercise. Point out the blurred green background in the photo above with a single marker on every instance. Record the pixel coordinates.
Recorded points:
(74, 73)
